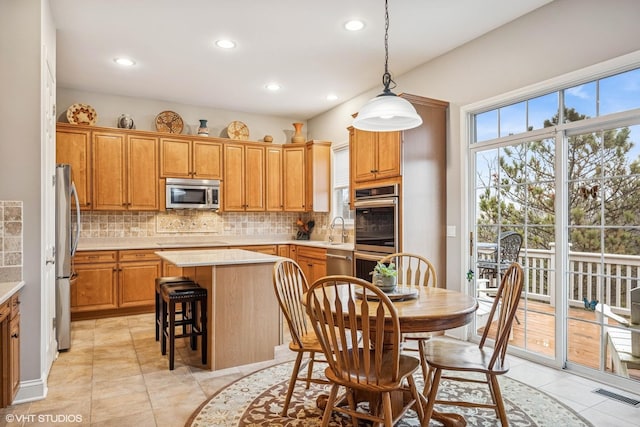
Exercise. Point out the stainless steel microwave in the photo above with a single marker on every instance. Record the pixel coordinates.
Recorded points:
(192, 194)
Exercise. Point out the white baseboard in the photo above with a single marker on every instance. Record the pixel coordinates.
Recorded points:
(31, 390)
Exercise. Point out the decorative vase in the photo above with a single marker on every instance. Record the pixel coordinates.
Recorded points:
(125, 121)
(385, 283)
(297, 136)
(203, 130)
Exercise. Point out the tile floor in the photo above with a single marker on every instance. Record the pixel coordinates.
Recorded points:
(114, 375)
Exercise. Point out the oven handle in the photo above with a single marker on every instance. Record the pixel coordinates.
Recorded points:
(368, 256)
(371, 203)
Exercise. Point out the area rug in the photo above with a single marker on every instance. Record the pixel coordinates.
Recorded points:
(257, 399)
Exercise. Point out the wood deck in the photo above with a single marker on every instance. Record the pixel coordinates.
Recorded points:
(584, 337)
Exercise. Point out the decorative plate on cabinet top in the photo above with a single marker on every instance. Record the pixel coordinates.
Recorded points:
(238, 130)
(82, 114)
(169, 121)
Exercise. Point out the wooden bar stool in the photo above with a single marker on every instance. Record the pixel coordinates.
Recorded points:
(194, 299)
(161, 281)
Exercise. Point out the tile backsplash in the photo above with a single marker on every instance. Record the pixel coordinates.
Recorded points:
(97, 224)
(10, 241)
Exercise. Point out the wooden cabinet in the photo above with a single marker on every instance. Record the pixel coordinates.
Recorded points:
(243, 185)
(186, 158)
(293, 163)
(312, 261)
(9, 350)
(283, 251)
(264, 249)
(95, 287)
(137, 272)
(73, 146)
(374, 155)
(274, 179)
(307, 177)
(114, 282)
(125, 172)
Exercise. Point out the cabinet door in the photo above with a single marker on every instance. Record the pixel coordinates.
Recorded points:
(254, 178)
(109, 188)
(363, 154)
(137, 283)
(73, 146)
(388, 155)
(175, 158)
(233, 183)
(142, 173)
(207, 160)
(293, 163)
(318, 177)
(94, 288)
(14, 369)
(273, 179)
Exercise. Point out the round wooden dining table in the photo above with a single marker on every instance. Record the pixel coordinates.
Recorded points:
(433, 310)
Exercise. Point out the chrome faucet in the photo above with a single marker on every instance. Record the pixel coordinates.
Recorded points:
(333, 224)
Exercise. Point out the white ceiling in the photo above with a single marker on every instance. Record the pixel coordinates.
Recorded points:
(300, 44)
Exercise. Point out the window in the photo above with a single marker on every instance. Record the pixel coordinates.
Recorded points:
(340, 205)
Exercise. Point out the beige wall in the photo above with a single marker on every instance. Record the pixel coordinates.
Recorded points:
(144, 111)
(561, 37)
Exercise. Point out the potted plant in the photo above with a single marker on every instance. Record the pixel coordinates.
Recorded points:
(385, 276)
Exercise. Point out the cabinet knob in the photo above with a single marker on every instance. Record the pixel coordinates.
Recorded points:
(15, 335)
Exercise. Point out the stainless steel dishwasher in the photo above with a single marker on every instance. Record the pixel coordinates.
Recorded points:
(339, 261)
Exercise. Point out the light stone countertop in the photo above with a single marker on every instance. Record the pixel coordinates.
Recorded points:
(8, 289)
(211, 257)
(123, 243)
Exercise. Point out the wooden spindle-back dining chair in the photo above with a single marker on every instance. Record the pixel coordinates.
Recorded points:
(369, 361)
(414, 271)
(450, 355)
(290, 284)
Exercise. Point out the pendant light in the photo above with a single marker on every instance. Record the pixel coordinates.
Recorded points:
(387, 111)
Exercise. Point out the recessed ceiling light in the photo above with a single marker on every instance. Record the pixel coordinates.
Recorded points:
(273, 86)
(354, 25)
(226, 44)
(125, 62)
(332, 97)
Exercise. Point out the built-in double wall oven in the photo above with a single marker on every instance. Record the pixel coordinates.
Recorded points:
(376, 227)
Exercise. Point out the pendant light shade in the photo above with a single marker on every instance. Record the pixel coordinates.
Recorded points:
(387, 112)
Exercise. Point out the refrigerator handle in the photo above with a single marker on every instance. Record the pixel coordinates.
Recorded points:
(74, 244)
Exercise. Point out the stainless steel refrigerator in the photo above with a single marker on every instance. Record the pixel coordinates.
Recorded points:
(67, 234)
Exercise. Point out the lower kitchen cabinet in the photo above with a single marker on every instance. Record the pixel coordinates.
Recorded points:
(113, 283)
(312, 261)
(9, 350)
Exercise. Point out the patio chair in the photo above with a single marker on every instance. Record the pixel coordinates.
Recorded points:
(452, 355)
(414, 270)
(290, 283)
(507, 251)
(371, 365)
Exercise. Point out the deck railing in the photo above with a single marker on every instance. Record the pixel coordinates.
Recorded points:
(607, 278)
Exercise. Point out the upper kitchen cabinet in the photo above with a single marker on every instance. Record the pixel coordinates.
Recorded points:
(73, 146)
(274, 179)
(190, 158)
(307, 177)
(243, 183)
(318, 171)
(375, 155)
(125, 171)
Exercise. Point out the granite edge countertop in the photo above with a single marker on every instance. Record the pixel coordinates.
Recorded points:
(176, 242)
(8, 289)
(213, 257)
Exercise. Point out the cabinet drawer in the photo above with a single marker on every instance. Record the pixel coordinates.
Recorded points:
(310, 252)
(87, 257)
(138, 255)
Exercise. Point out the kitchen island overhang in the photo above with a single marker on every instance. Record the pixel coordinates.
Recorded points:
(244, 321)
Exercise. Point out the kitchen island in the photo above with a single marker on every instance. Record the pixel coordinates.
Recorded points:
(244, 319)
